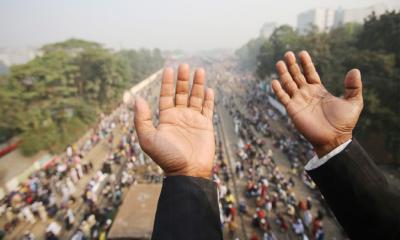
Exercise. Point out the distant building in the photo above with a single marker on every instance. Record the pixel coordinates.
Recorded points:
(3, 68)
(357, 15)
(267, 29)
(321, 18)
(325, 18)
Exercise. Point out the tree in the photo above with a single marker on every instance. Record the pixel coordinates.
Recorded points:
(248, 54)
(50, 100)
(142, 62)
(284, 38)
(374, 48)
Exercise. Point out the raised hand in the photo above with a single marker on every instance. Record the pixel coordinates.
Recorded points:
(183, 142)
(324, 120)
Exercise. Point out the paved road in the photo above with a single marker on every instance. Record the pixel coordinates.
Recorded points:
(96, 156)
(332, 228)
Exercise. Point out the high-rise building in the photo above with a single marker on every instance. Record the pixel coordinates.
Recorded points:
(267, 29)
(358, 15)
(324, 18)
(320, 18)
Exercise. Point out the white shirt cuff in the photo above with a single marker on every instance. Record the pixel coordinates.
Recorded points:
(315, 162)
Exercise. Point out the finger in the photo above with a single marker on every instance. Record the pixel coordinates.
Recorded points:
(283, 97)
(308, 68)
(197, 94)
(167, 90)
(287, 82)
(353, 85)
(143, 123)
(182, 86)
(294, 69)
(208, 106)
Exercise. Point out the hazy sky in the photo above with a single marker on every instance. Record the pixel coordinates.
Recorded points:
(167, 24)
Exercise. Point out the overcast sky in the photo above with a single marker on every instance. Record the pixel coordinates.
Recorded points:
(167, 24)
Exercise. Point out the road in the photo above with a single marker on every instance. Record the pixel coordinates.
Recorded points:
(225, 76)
(96, 155)
(220, 73)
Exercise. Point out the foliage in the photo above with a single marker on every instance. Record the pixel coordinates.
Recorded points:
(141, 62)
(248, 54)
(52, 99)
(374, 48)
(71, 45)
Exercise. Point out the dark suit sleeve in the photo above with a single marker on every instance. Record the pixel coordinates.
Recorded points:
(187, 209)
(359, 195)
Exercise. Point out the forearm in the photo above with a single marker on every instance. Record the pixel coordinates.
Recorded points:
(187, 209)
(359, 195)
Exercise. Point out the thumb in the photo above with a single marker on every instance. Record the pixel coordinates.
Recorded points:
(143, 123)
(353, 85)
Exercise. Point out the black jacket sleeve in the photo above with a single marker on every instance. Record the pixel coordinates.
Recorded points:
(187, 209)
(359, 195)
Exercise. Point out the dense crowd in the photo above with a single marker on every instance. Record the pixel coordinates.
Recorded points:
(70, 197)
(268, 196)
(75, 198)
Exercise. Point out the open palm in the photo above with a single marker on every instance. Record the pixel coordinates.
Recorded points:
(324, 120)
(183, 142)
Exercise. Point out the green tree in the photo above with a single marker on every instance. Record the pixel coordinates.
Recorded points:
(374, 48)
(52, 99)
(284, 38)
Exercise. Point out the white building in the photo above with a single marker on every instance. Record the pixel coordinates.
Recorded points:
(358, 15)
(267, 29)
(322, 19)
(325, 19)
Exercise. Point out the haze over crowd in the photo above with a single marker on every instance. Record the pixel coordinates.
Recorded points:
(175, 24)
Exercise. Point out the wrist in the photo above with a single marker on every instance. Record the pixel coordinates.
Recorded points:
(191, 172)
(322, 150)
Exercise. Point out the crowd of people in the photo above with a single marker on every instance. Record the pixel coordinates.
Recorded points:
(76, 197)
(269, 196)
